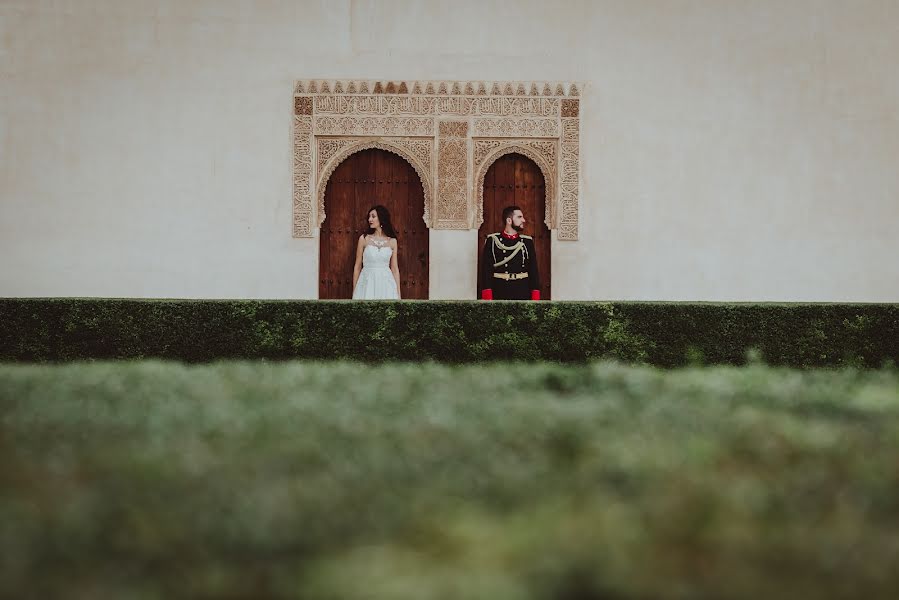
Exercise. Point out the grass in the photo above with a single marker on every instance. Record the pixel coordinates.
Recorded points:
(539, 481)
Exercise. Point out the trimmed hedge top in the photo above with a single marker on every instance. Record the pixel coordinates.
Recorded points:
(657, 333)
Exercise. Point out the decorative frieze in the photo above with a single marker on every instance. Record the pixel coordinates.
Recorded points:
(431, 88)
(519, 128)
(461, 106)
(374, 126)
(450, 131)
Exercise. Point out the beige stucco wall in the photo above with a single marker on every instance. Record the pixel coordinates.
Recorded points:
(729, 150)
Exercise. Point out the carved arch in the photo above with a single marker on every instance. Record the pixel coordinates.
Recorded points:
(332, 163)
(410, 115)
(544, 163)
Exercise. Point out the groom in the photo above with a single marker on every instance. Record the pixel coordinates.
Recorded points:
(509, 262)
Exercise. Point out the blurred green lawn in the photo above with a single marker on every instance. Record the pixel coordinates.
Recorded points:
(395, 482)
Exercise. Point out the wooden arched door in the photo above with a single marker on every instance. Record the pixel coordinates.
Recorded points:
(516, 180)
(364, 179)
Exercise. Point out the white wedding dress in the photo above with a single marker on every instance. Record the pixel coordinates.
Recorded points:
(376, 280)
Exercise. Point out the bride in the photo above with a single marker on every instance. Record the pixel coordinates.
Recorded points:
(376, 274)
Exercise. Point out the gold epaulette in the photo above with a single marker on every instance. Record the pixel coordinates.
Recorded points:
(527, 237)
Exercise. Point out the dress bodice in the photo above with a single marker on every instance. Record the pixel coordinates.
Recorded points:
(376, 281)
(374, 257)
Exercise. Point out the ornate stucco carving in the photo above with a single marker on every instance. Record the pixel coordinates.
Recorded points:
(415, 152)
(302, 105)
(302, 176)
(326, 148)
(418, 88)
(368, 126)
(570, 108)
(452, 175)
(520, 128)
(456, 129)
(449, 131)
(570, 171)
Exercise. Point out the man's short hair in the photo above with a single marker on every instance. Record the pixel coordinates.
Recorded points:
(509, 212)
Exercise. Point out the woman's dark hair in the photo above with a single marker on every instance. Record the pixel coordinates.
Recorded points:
(384, 218)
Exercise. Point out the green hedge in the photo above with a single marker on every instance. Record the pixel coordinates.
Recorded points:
(662, 334)
(152, 480)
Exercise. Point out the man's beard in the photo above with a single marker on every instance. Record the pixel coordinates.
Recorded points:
(518, 228)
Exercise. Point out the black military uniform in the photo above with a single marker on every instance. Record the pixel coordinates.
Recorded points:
(509, 268)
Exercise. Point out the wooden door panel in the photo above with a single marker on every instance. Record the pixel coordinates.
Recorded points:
(516, 180)
(336, 246)
(361, 181)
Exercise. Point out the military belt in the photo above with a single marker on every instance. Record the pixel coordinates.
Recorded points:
(510, 276)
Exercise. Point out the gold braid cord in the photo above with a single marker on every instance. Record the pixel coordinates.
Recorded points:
(516, 250)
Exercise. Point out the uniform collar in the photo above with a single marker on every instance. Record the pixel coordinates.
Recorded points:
(507, 236)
